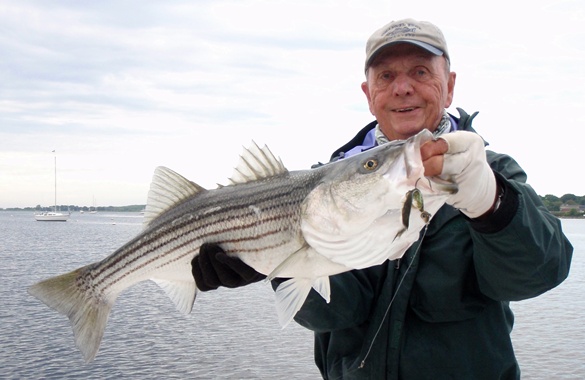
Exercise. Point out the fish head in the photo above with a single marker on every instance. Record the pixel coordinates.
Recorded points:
(359, 189)
(356, 215)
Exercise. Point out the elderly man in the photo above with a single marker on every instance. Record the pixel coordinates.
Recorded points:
(442, 311)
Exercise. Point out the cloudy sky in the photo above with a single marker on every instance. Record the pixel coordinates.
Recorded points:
(117, 88)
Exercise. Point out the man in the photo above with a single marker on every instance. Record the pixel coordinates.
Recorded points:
(442, 311)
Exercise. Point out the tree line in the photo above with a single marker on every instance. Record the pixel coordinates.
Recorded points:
(73, 208)
(551, 202)
(554, 204)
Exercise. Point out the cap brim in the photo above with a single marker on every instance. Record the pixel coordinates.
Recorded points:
(424, 45)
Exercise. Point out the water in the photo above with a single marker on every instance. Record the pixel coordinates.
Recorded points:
(549, 333)
(231, 333)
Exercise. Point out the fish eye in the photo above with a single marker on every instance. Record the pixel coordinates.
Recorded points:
(371, 164)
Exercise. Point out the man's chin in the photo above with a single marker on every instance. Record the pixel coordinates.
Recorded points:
(403, 130)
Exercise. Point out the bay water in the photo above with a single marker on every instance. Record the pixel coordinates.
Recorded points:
(231, 333)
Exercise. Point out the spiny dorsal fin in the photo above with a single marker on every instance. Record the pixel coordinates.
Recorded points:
(166, 190)
(256, 163)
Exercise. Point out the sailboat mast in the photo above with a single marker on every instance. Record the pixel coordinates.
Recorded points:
(55, 182)
(53, 216)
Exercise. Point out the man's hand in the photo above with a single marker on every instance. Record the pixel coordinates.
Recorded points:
(432, 156)
(459, 157)
(213, 268)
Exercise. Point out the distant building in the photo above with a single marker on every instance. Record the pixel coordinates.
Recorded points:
(570, 206)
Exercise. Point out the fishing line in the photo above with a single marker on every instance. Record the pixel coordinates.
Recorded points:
(363, 362)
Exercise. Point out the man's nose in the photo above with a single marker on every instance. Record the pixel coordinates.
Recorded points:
(402, 86)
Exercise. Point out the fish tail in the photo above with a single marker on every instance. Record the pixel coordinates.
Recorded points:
(88, 315)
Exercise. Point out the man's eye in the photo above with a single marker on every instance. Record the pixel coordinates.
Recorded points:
(384, 79)
(421, 73)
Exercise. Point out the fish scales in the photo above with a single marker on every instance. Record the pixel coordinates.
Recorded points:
(232, 222)
(303, 225)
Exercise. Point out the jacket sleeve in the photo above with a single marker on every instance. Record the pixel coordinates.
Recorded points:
(521, 250)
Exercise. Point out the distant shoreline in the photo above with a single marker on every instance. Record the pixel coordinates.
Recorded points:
(140, 208)
(62, 208)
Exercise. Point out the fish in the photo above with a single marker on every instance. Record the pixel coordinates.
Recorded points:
(302, 226)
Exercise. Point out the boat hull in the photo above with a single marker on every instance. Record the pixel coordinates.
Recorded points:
(51, 217)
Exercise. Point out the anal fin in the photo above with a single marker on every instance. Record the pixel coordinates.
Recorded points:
(181, 292)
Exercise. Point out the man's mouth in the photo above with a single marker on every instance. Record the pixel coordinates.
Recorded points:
(404, 109)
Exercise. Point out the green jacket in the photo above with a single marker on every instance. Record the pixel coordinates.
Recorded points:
(449, 294)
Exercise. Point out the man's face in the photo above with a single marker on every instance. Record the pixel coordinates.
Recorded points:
(408, 89)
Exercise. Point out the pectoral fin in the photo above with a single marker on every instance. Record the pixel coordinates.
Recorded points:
(298, 258)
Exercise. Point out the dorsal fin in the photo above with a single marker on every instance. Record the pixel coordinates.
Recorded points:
(166, 190)
(256, 163)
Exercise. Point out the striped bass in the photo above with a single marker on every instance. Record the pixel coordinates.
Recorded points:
(301, 225)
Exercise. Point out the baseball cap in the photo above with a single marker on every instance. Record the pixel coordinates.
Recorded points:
(420, 33)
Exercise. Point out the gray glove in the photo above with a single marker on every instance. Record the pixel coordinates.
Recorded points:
(465, 164)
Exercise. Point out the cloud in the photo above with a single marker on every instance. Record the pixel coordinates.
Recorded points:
(121, 87)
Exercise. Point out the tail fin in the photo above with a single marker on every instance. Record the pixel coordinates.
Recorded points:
(87, 314)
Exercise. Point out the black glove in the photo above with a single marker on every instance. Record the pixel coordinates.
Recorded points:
(213, 268)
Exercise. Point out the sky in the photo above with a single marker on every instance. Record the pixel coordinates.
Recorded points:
(117, 88)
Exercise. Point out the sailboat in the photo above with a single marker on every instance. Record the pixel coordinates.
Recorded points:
(53, 216)
(94, 209)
